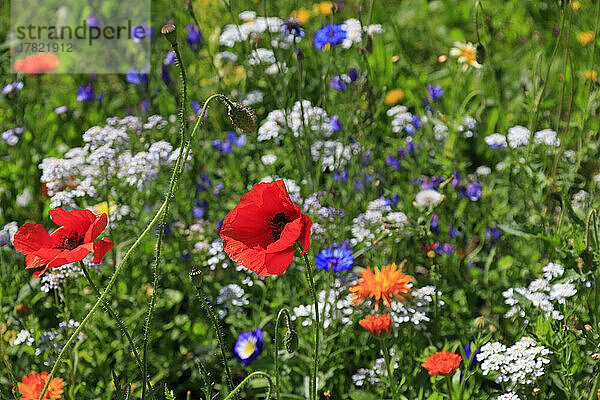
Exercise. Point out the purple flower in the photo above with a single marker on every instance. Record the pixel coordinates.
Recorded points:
(493, 233)
(141, 32)
(145, 104)
(193, 37)
(337, 83)
(426, 106)
(410, 147)
(343, 176)
(169, 58)
(85, 93)
(455, 179)
(453, 231)
(292, 26)
(335, 123)
(218, 187)
(416, 121)
(353, 74)
(433, 224)
(472, 191)
(61, 110)
(393, 162)
(249, 346)
(92, 21)
(136, 78)
(435, 92)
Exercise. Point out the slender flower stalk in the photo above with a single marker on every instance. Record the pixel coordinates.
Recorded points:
(309, 278)
(118, 321)
(247, 379)
(389, 367)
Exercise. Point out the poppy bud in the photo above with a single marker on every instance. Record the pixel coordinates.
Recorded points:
(480, 53)
(196, 277)
(168, 31)
(291, 341)
(242, 117)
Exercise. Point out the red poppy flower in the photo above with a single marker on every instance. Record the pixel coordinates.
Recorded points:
(73, 241)
(260, 231)
(37, 63)
(442, 362)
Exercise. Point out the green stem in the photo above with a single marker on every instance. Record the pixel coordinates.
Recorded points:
(283, 311)
(449, 386)
(309, 278)
(251, 376)
(215, 322)
(172, 184)
(116, 317)
(389, 368)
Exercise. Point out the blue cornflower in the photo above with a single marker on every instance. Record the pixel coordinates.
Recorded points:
(292, 26)
(426, 106)
(393, 162)
(472, 191)
(339, 258)
(335, 123)
(136, 78)
(206, 183)
(433, 224)
(416, 121)
(145, 104)
(353, 74)
(395, 199)
(456, 180)
(493, 232)
(341, 175)
(337, 83)
(249, 346)
(329, 35)
(453, 231)
(85, 93)
(435, 92)
(410, 147)
(193, 37)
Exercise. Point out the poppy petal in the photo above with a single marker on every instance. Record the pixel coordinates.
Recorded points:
(79, 219)
(31, 237)
(71, 256)
(288, 237)
(96, 228)
(101, 247)
(305, 235)
(277, 263)
(251, 258)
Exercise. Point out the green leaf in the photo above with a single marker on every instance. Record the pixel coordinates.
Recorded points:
(362, 395)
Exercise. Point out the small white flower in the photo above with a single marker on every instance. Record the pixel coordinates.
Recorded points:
(268, 159)
(518, 136)
(428, 198)
(547, 137)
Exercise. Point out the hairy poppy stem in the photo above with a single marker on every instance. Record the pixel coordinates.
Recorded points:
(116, 317)
(286, 313)
(214, 319)
(247, 379)
(311, 283)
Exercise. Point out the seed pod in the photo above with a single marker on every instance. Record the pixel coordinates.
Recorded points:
(291, 341)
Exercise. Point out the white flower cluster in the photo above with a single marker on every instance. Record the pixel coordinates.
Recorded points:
(541, 293)
(367, 226)
(11, 136)
(509, 396)
(415, 308)
(518, 136)
(496, 141)
(83, 171)
(7, 233)
(217, 256)
(521, 363)
(354, 31)
(266, 56)
(55, 278)
(468, 127)
(333, 154)
(401, 118)
(278, 122)
(580, 200)
(231, 298)
(375, 375)
(254, 27)
(338, 306)
(24, 336)
(55, 339)
(253, 97)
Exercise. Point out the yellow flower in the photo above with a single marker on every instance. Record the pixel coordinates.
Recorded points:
(301, 14)
(593, 75)
(585, 38)
(381, 283)
(102, 208)
(466, 53)
(324, 8)
(575, 5)
(393, 96)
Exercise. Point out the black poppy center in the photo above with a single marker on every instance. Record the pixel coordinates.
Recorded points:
(71, 241)
(277, 223)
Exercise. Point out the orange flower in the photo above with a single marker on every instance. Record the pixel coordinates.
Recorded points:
(302, 15)
(32, 385)
(593, 75)
(383, 284)
(442, 362)
(393, 96)
(37, 63)
(376, 322)
(575, 5)
(585, 38)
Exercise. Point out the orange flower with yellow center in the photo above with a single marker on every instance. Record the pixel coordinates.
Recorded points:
(376, 323)
(37, 63)
(585, 38)
(32, 385)
(381, 283)
(393, 96)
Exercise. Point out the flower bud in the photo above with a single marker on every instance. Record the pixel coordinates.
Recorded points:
(242, 117)
(291, 341)
(196, 277)
(168, 31)
(480, 53)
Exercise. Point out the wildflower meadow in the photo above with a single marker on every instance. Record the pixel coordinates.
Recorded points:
(254, 199)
